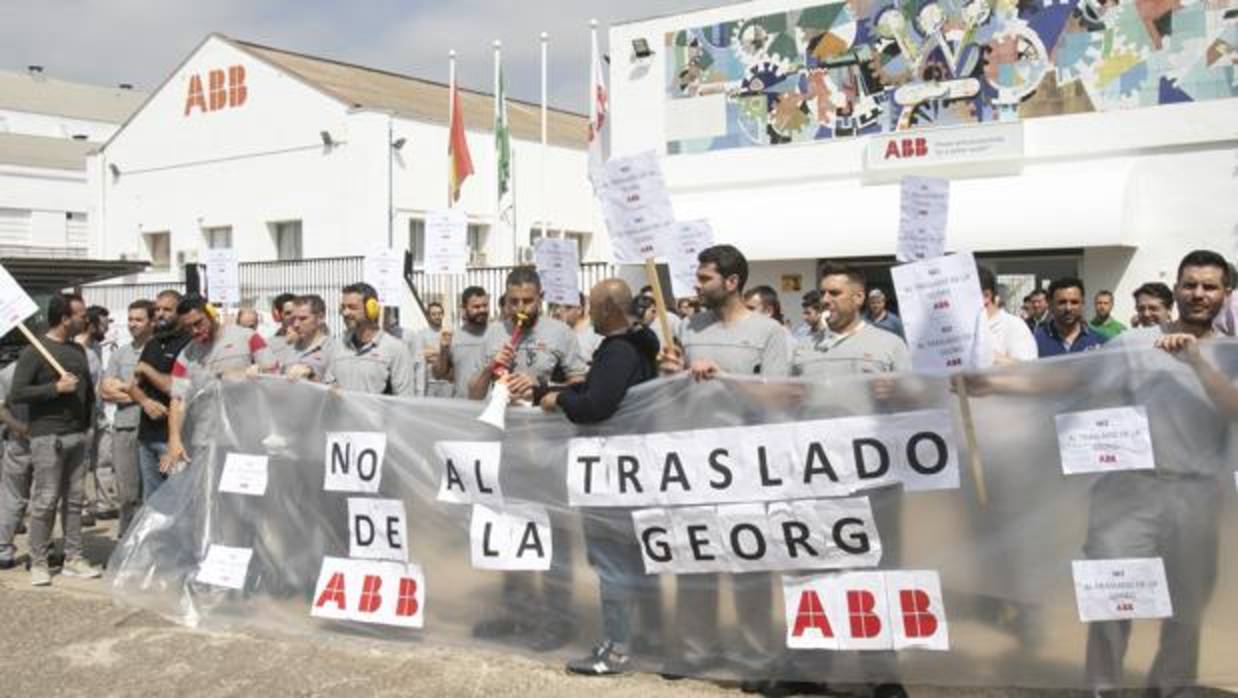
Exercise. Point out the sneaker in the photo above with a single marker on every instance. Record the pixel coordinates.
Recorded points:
(106, 514)
(604, 660)
(40, 576)
(88, 519)
(79, 567)
(552, 635)
(7, 563)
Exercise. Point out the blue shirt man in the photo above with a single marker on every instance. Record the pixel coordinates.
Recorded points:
(1066, 332)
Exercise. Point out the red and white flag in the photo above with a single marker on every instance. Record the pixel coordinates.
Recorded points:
(599, 105)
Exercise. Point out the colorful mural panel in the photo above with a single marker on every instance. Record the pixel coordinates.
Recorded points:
(872, 66)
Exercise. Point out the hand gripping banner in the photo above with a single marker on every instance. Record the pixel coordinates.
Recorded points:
(733, 528)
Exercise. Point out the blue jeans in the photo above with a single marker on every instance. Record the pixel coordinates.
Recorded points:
(149, 453)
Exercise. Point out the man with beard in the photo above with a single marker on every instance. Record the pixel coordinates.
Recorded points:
(726, 337)
(151, 388)
(1172, 512)
(114, 388)
(312, 351)
(428, 343)
(214, 351)
(459, 356)
(1103, 322)
(367, 358)
(100, 490)
(1066, 333)
(61, 412)
(1038, 309)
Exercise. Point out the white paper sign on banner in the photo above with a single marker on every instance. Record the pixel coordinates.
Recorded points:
(636, 207)
(446, 240)
(370, 591)
(918, 610)
(377, 529)
(244, 473)
(384, 270)
(470, 472)
(516, 537)
(558, 261)
(1121, 589)
(687, 239)
(923, 208)
(225, 566)
(223, 276)
(806, 600)
(1100, 441)
(943, 314)
(650, 523)
(354, 461)
(15, 304)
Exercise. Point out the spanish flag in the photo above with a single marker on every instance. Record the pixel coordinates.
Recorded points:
(460, 164)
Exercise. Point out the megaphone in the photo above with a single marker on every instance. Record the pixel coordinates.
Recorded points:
(496, 409)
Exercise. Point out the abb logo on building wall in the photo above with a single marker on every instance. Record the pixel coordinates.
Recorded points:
(903, 148)
(224, 89)
(866, 611)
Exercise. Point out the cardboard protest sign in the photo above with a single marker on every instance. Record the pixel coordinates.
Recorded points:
(224, 566)
(354, 461)
(1098, 441)
(223, 276)
(686, 240)
(943, 314)
(15, 304)
(558, 260)
(923, 208)
(383, 269)
(636, 207)
(244, 474)
(446, 240)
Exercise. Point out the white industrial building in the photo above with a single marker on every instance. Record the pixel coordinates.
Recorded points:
(1106, 160)
(284, 156)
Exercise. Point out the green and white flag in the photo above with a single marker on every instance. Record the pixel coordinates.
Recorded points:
(503, 155)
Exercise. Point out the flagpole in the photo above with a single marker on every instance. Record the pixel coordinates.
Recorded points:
(545, 42)
(451, 95)
(498, 188)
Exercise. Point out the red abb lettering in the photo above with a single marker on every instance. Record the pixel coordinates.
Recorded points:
(864, 623)
(891, 150)
(370, 598)
(918, 621)
(811, 615)
(217, 90)
(237, 92)
(333, 593)
(407, 604)
(195, 97)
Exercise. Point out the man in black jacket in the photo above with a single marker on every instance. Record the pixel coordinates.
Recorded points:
(626, 356)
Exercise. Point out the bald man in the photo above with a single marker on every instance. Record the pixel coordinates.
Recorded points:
(626, 357)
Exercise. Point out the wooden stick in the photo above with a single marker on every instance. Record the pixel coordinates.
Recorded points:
(651, 271)
(34, 341)
(969, 433)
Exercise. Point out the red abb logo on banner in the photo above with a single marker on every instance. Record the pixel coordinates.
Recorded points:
(224, 89)
(370, 591)
(902, 148)
(866, 611)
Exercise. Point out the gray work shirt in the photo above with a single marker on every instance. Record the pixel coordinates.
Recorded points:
(1189, 435)
(233, 350)
(755, 345)
(547, 346)
(21, 412)
(284, 352)
(869, 349)
(430, 338)
(466, 356)
(316, 356)
(120, 367)
(382, 366)
(589, 341)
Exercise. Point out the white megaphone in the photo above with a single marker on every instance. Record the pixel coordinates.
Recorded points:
(496, 409)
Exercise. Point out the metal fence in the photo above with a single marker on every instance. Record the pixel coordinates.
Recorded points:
(261, 282)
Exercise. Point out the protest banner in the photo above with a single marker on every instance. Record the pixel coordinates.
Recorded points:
(856, 502)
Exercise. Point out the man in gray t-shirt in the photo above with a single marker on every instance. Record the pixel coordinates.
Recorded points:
(429, 344)
(114, 388)
(460, 359)
(727, 337)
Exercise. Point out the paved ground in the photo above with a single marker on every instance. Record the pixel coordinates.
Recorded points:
(71, 640)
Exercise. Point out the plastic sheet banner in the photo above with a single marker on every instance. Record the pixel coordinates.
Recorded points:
(732, 528)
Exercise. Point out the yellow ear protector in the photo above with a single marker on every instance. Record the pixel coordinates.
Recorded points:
(211, 311)
(373, 310)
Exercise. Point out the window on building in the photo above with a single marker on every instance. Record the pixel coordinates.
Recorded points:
(15, 226)
(218, 237)
(159, 249)
(417, 240)
(287, 235)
